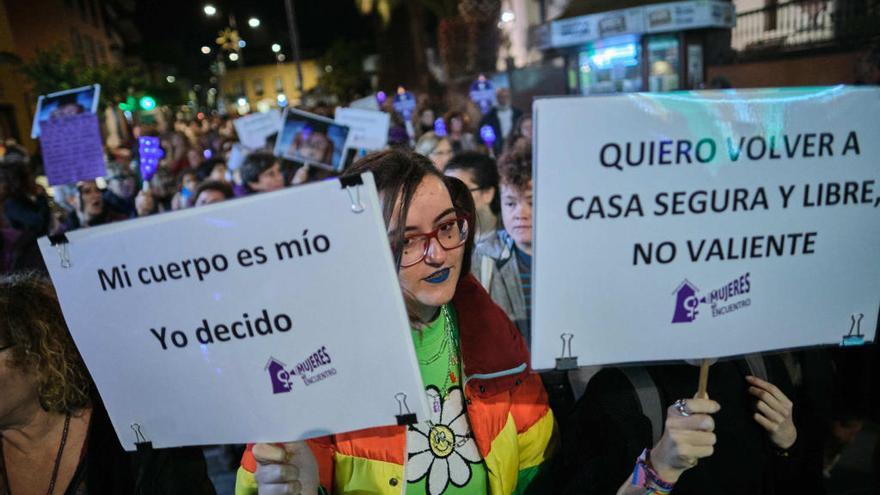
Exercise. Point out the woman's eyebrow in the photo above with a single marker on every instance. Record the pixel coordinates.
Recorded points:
(436, 219)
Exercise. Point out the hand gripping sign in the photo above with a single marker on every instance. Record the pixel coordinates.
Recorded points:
(267, 318)
(705, 224)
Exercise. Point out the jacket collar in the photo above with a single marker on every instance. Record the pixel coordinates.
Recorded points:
(494, 355)
(498, 247)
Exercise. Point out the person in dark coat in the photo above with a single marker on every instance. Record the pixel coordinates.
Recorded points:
(759, 449)
(501, 118)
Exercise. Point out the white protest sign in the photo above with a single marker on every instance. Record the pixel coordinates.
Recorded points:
(705, 224)
(268, 318)
(366, 103)
(369, 128)
(253, 129)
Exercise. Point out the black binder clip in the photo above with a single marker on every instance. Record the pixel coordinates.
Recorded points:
(60, 242)
(854, 339)
(566, 361)
(352, 184)
(405, 417)
(140, 440)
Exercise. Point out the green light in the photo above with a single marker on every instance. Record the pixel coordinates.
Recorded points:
(129, 105)
(147, 103)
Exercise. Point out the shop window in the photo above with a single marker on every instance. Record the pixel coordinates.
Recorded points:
(664, 63)
(610, 66)
(695, 66)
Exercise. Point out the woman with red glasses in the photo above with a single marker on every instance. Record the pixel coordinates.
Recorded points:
(490, 430)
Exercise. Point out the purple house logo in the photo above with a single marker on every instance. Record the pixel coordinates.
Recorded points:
(282, 381)
(686, 303)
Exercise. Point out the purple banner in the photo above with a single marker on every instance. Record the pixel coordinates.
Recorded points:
(73, 149)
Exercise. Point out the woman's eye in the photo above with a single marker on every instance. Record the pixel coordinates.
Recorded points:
(446, 227)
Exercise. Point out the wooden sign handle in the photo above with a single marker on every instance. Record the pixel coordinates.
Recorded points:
(702, 392)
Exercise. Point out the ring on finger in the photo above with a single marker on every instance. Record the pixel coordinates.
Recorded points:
(681, 406)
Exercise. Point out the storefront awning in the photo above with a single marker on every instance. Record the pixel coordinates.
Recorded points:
(653, 18)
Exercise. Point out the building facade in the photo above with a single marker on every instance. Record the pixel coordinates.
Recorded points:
(79, 27)
(646, 46)
(262, 87)
(803, 43)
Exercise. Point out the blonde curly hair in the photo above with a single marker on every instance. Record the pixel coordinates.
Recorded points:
(33, 326)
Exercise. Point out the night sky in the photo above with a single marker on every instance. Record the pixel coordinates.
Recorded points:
(174, 30)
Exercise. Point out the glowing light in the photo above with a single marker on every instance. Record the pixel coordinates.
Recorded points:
(210, 10)
(242, 43)
(170, 79)
(147, 103)
(233, 56)
(206, 50)
(508, 16)
(242, 102)
(276, 47)
(254, 22)
(281, 57)
(615, 55)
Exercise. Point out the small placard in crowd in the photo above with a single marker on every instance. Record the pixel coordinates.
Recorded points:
(253, 129)
(149, 154)
(369, 128)
(64, 104)
(72, 149)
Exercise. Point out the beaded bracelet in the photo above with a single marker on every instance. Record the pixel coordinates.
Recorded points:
(645, 477)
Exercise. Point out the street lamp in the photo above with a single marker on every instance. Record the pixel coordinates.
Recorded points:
(233, 56)
(276, 48)
(170, 79)
(209, 10)
(206, 50)
(254, 22)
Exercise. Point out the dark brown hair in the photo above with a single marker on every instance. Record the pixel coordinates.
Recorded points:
(515, 167)
(398, 174)
(40, 344)
(212, 185)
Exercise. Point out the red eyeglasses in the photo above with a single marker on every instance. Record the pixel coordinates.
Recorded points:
(450, 234)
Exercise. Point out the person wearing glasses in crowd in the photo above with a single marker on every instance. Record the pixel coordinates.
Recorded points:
(55, 435)
(490, 429)
(480, 174)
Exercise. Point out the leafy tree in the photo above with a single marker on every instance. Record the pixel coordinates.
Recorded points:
(55, 69)
(342, 70)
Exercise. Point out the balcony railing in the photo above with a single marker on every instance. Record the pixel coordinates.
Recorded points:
(800, 24)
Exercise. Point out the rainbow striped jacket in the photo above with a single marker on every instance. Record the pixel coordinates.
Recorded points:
(510, 419)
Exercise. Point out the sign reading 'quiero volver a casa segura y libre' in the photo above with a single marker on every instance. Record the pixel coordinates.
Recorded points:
(705, 224)
(280, 313)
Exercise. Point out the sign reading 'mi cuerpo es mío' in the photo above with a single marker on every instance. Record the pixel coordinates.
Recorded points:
(269, 318)
(706, 224)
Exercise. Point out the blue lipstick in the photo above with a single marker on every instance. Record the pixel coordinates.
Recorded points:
(438, 277)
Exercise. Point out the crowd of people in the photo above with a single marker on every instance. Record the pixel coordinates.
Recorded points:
(459, 220)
